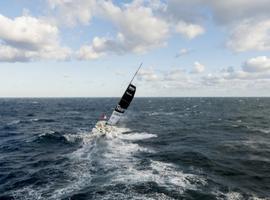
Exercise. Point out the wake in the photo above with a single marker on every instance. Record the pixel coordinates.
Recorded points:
(115, 159)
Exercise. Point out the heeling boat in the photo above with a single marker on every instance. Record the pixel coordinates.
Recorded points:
(104, 126)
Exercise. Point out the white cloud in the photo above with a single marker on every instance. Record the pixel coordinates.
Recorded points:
(198, 68)
(189, 30)
(257, 68)
(257, 64)
(147, 75)
(175, 75)
(71, 13)
(211, 79)
(10, 54)
(139, 30)
(226, 82)
(27, 32)
(250, 35)
(27, 38)
(248, 26)
(96, 50)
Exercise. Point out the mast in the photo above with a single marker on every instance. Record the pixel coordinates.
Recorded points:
(124, 101)
(136, 73)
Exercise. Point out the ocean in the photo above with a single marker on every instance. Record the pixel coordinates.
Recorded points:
(164, 148)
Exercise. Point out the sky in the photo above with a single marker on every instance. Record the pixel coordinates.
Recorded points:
(92, 48)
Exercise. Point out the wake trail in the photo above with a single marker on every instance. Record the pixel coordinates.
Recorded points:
(114, 158)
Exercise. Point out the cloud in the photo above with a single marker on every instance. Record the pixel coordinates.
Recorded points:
(11, 54)
(194, 10)
(257, 68)
(222, 10)
(138, 30)
(211, 79)
(248, 27)
(198, 68)
(27, 38)
(183, 52)
(189, 30)
(174, 78)
(250, 35)
(147, 75)
(71, 13)
(175, 75)
(257, 64)
(94, 51)
(182, 10)
(226, 82)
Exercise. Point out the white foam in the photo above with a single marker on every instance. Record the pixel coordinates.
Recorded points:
(120, 155)
(264, 130)
(34, 120)
(164, 174)
(161, 113)
(14, 122)
(137, 136)
(115, 153)
(154, 113)
(234, 196)
(29, 193)
(85, 137)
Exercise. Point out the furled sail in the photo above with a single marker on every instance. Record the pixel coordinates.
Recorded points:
(124, 102)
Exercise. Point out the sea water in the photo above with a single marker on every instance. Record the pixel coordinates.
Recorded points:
(164, 148)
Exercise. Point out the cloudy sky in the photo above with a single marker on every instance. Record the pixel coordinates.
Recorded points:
(91, 48)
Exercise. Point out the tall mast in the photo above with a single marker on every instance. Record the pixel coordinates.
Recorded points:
(136, 72)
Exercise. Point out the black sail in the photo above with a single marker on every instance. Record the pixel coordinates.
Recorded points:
(122, 105)
(126, 99)
(124, 102)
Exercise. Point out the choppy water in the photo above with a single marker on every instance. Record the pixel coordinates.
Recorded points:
(165, 148)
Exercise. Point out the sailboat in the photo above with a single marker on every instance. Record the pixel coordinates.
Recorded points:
(104, 126)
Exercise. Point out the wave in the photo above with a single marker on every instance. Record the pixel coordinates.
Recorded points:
(34, 120)
(115, 155)
(27, 193)
(46, 120)
(14, 122)
(137, 136)
(233, 195)
(17, 121)
(115, 163)
(51, 137)
(161, 113)
(261, 130)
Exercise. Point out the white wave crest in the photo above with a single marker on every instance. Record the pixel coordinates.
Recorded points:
(14, 122)
(137, 136)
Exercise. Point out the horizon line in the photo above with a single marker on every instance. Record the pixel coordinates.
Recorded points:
(62, 97)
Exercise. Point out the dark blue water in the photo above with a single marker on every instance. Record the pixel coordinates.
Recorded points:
(164, 148)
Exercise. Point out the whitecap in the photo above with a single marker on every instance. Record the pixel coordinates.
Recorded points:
(14, 122)
(137, 136)
(34, 120)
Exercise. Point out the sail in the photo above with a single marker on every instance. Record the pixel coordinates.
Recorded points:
(122, 105)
